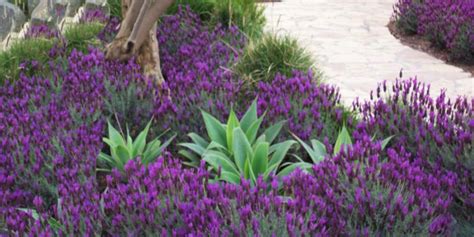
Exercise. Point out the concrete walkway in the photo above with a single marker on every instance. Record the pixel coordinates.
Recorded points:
(354, 48)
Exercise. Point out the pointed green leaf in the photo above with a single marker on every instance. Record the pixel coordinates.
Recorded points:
(260, 159)
(270, 170)
(109, 142)
(194, 160)
(215, 129)
(123, 155)
(343, 140)
(319, 148)
(250, 174)
(385, 142)
(219, 159)
(198, 140)
(249, 117)
(312, 154)
(280, 150)
(252, 131)
(232, 123)
(290, 168)
(106, 158)
(272, 132)
(194, 147)
(140, 142)
(230, 177)
(115, 136)
(242, 148)
(216, 146)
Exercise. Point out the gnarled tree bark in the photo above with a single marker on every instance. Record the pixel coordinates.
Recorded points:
(137, 35)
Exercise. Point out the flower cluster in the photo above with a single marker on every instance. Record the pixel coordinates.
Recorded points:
(447, 24)
(51, 135)
(363, 191)
(52, 124)
(311, 110)
(164, 197)
(437, 132)
(41, 30)
(93, 15)
(359, 192)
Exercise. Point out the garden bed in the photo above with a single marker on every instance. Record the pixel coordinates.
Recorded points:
(420, 43)
(225, 146)
(448, 26)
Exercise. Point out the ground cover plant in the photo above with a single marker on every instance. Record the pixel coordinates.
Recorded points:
(447, 24)
(270, 55)
(54, 117)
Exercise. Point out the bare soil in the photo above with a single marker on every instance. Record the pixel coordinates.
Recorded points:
(419, 43)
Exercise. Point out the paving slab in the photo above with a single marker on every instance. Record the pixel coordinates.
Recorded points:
(355, 50)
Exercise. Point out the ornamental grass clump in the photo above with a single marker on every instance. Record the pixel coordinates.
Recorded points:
(437, 131)
(270, 55)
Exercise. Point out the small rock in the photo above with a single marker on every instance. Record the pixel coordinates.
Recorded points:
(11, 19)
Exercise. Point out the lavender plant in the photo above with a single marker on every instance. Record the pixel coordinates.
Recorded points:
(447, 24)
(438, 132)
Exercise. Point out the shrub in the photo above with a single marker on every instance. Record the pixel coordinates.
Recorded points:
(438, 132)
(166, 198)
(50, 140)
(406, 15)
(363, 192)
(447, 24)
(81, 36)
(123, 149)
(264, 58)
(311, 110)
(235, 150)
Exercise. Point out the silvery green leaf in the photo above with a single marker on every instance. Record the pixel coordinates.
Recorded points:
(343, 140)
(249, 117)
(242, 148)
(215, 129)
(272, 132)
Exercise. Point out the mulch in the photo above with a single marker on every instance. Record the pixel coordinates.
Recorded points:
(419, 43)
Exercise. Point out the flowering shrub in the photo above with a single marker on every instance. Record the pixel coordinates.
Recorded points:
(447, 24)
(437, 132)
(52, 122)
(361, 191)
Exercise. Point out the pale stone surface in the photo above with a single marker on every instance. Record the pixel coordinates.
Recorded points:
(11, 19)
(355, 50)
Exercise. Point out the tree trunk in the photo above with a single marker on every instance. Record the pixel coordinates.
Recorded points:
(137, 35)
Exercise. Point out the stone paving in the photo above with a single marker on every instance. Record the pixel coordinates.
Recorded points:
(354, 48)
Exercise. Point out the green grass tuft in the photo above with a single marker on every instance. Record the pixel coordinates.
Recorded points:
(22, 51)
(80, 36)
(263, 59)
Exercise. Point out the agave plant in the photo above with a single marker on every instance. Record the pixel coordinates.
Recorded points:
(317, 151)
(234, 148)
(124, 149)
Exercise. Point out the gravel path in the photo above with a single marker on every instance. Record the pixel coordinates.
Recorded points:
(354, 48)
